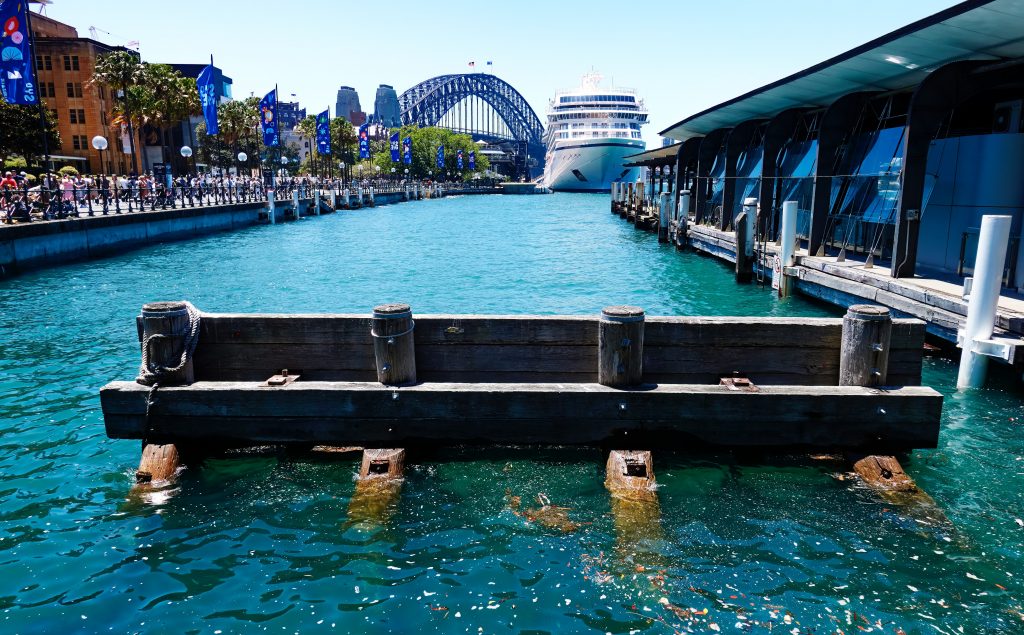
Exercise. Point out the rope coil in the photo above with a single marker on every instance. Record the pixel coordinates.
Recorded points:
(412, 327)
(151, 373)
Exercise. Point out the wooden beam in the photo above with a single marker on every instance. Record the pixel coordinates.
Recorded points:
(371, 415)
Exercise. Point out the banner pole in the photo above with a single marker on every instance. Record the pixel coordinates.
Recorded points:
(39, 100)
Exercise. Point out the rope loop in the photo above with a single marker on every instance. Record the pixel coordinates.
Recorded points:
(412, 327)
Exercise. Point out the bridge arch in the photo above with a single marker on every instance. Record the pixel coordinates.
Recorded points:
(448, 101)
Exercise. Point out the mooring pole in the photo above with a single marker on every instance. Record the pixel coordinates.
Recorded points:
(393, 344)
(864, 352)
(620, 346)
(984, 300)
(663, 216)
(745, 241)
(295, 202)
(270, 206)
(370, 201)
(787, 247)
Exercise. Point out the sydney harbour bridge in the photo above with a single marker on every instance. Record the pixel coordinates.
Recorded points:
(484, 106)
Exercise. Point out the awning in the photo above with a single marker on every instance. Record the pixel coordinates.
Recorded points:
(977, 29)
(665, 155)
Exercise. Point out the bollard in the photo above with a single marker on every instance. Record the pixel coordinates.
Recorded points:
(663, 216)
(620, 344)
(984, 300)
(270, 207)
(864, 353)
(787, 249)
(745, 241)
(167, 344)
(393, 344)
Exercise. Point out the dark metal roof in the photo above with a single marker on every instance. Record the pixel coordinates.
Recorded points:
(664, 155)
(977, 29)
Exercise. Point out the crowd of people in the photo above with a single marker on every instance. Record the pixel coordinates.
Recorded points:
(57, 196)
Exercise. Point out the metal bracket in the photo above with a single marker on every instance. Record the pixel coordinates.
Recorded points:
(739, 384)
(278, 381)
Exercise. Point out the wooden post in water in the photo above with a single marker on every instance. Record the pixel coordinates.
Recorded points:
(270, 207)
(165, 327)
(630, 473)
(382, 463)
(369, 193)
(683, 217)
(334, 199)
(864, 353)
(663, 216)
(316, 202)
(346, 201)
(295, 204)
(620, 346)
(745, 241)
(393, 344)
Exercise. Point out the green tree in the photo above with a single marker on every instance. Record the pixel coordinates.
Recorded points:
(425, 142)
(20, 133)
(171, 99)
(122, 72)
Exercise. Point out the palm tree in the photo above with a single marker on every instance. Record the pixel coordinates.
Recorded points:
(174, 98)
(122, 71)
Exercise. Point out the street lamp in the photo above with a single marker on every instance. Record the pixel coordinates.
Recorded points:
(392, 173)
(341, 166)
(100, 143)
(242, 158)
(186, 152)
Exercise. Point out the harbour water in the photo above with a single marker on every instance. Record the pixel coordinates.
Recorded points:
(264, 543)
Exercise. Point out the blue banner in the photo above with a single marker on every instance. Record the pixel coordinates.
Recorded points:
(407, 151)
(394, 147)
(458, 159)
(208, 98)
(472, 156)
(440, 157)
(364, 141)
(323, 132)
(17, 79)
(268, 118)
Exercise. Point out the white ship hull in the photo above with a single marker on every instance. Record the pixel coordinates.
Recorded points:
(590, 165)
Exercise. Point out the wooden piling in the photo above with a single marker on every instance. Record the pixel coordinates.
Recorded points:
(864, 352)
(393, 344)
(158, 464)
(630, 474)
(382, 463)
(664, 210)
(744, 261)
(620, 346)
(378, 486)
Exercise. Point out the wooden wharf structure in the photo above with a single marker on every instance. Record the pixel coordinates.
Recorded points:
(618, 380)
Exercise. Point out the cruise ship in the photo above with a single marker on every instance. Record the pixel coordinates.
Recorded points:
(590, 130)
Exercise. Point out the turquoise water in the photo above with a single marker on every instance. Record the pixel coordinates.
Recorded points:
(266, 544)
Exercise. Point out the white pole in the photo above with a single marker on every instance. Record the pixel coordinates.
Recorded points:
(370, 192)
(684, 205)
(295, 202)
(316, 202)
(270, 206)
(334, 199)
(981, 307)
(750, 207)
(663, 211)
(787, 250)
(346, 203)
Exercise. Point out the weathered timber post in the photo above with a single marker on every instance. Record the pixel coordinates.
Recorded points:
(620, 346)
(982, 307)
(615, 196)
(316, 202)
(663, 216)
(630, 474)
(393, 344)
(346, 200)
(270, 206)
(295, 203)
(334, 199)
(864, 353)
(382, 463)
(787, 247)
(369, 193)
(169, 332)
(359, 196)
(745, 241)
(405, 195)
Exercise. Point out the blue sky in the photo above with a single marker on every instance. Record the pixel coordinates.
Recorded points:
(682, 56)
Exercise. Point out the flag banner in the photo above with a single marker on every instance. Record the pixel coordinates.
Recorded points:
(458, 159)
(440, 157)
(323, 132)
(407, 151)
(17, 80)
(472, 160)
(472, 64)
(208, 98)
(364, 141)
(394, 147)
(268, 118)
